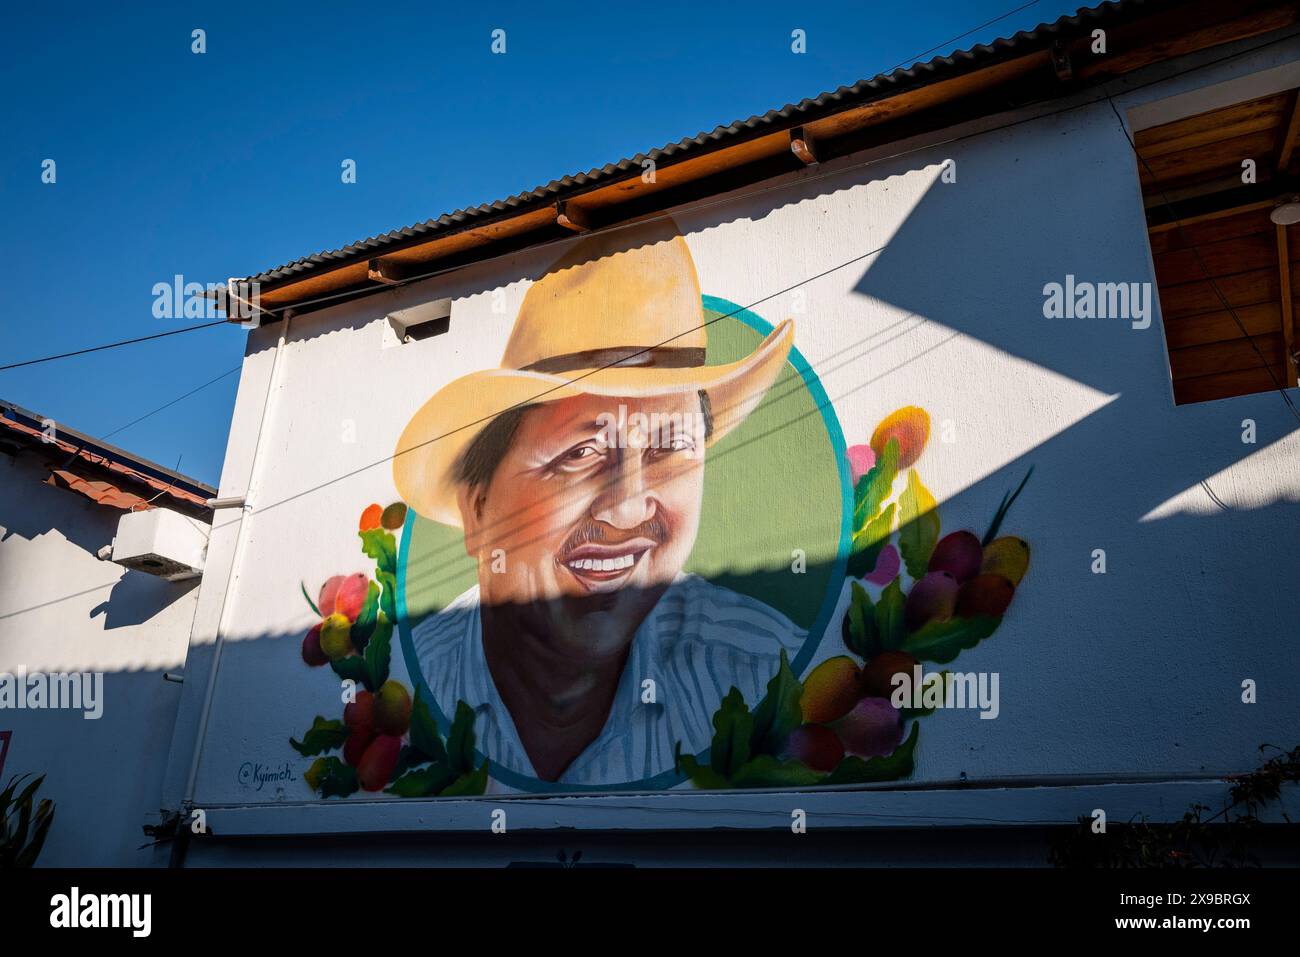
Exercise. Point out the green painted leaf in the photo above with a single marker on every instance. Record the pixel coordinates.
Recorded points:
(942, 641)
(898, 764)
(701, 775)
(337, 779)
(1007, 500)
(860, 633)
(353, 666)
(387, 599)
(778, 713)
(310, 603)
(379, 544)
(918, 525)
(423, 782)
(873, 488)
(424, 731)
(868, 543)
(364, 626)
(409, 758)
(379, 653)
(733, 729)
(765, 771)
(322, 736)
(889, 616)
(471, 782)
(460, 740)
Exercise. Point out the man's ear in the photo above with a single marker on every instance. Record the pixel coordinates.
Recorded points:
(470, 499)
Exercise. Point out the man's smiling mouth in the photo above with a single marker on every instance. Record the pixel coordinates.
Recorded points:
(603, 567)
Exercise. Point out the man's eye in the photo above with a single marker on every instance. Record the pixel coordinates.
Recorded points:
(581, 457)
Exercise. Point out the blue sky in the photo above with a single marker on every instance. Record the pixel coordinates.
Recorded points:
(227, 163)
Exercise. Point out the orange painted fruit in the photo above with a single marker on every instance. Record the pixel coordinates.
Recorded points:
(910, 425)
(831, 690)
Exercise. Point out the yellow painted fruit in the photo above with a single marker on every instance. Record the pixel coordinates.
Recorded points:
(314, 773)
(831, 690)
(1007, 556)
(392, 708)
(336, 637)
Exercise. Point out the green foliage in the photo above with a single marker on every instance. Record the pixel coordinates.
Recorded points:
(897, 764)
(733, 729)
(460, 739)
(942, 641)
(322, 736)
(1003, 508)
(424, 732)
(889, 616)
(1194, 840)
(778, 713)
(311, 604)
(378, 653)
(23, 829)
(861, 636)
(336, 778)
(918, 525)
(366, 621)
(432, 779)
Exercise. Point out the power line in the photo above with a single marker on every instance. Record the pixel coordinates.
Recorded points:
(113, 345)
(988, 23)
(931, 146)
(168, 405)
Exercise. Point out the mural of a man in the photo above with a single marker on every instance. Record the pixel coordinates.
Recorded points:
(586, 651)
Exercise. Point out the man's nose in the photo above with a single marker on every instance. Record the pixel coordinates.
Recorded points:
(625, 502)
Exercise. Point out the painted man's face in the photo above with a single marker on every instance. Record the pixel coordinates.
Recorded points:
(595, 505)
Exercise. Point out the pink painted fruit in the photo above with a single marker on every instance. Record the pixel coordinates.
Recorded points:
(311, 649)
(959, 554)
(816, 746)
(872, 729)
(933, 598)
(344, 594)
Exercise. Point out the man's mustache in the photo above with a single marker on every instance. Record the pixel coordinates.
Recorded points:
(597, 533)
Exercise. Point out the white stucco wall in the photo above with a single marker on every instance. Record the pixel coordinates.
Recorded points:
(1134, 675)
(64, 610)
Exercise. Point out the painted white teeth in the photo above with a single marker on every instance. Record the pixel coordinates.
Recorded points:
(603, 564)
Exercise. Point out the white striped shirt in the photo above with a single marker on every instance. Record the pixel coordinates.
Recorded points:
(698, 642)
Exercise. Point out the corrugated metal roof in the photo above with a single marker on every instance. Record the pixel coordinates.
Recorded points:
(846, 97)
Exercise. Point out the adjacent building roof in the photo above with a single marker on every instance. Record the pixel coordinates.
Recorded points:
(102, 472)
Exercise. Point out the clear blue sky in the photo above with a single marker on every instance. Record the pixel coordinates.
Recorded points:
(227, 163)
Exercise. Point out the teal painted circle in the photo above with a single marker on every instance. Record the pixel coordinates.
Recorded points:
(816, 632)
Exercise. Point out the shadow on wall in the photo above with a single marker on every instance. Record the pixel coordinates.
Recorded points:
(104, 775)
(137, 597)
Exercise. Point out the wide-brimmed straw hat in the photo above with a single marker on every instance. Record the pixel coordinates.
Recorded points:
(611, 318)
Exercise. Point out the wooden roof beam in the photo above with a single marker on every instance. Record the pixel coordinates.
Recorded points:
(389, 271)
(1288, 308)
(1289, 138)
(571, 217)
(803, 146)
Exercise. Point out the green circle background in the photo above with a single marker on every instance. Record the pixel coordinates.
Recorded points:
(771, 486)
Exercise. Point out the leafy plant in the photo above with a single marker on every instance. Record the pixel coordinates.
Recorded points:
(1192, 841)
(22, 831)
